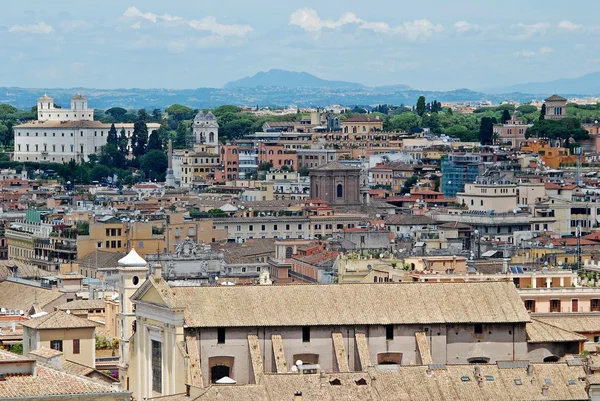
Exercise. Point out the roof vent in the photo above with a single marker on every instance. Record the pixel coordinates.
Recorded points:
(545, 390)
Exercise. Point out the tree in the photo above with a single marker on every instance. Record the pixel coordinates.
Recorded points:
(181, 136)
(179, 112)
(403, 122)
(543, 112)
(156, 115)
(112, 135)
(142, 115)
(265, 166)
(409, 183)
(5, 136)
(304, 171)
(486, 131)
(566, 130)
(526, 109)
(139, 139)
(154, 142)
(112, 156)
(99, 172)
(435, 107)
(117, 113)
(154, 164)
(123, 142)
(421, 106)
(505, 116)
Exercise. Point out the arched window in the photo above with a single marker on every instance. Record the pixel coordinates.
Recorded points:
(270, 152)
(211, 137)
(288, 252)
(234, 151)
(345, 130)
(340, 191)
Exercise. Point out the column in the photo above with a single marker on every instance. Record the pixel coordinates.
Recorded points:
(533, 282)
(548, 282)
(562, 281)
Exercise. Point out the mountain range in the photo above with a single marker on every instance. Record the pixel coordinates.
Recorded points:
(283, 88)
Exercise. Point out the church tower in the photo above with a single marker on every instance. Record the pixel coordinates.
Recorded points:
(206, 129)
(133, 270)
(44, 104)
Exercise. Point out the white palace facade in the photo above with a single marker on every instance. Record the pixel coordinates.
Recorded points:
(60, 135)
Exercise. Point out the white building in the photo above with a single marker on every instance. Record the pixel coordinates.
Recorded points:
(61, 135)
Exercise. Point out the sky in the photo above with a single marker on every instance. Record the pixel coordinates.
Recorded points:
(428, 45)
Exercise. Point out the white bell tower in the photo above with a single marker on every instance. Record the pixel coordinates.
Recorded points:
(206, 129)
(133, 270)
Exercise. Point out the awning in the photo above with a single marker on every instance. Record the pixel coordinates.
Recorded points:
(419, 244)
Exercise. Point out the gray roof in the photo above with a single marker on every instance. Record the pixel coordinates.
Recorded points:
(335, 166)
(409, 220)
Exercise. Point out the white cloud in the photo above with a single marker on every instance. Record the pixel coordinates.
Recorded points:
(568, 25)
(39, 28)
(533, 53)
(210, 24)
(133, 12)
(530, 30)
(464, 26)
(309, 20)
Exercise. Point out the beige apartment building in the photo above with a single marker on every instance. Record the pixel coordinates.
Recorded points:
(484, 196)
(64, 332)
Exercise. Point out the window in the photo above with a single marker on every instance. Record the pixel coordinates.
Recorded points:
(555, 305)
(389, 332)
(56, 344)
(478, 328)
(340, 191)
(299, 226)
(243, 270)
(157, 366)
(287, 227)
(221, 335)
(530, 305)
(595, 305)
(76, 349)
(306, 334)
(250, 227)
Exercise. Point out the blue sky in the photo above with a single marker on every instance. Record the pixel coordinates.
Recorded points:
(188, 44)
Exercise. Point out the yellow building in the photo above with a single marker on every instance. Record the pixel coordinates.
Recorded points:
(197, 165)
(64, 332)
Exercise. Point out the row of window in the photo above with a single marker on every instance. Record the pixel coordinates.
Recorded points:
(58, 345)
(37, 149)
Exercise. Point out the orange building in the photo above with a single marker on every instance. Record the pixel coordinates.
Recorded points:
(552, 156)
(230, 159)
(277, 155)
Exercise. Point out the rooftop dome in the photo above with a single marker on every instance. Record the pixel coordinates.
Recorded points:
(45, 97)
(210, 116)
(78, 97)
(132, 260)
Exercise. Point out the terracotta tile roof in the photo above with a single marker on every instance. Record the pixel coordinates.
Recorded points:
(49, 382)
(101, 259)
(335, 166)
(63, 124)
(45, 352)
(82, 304)
(77, 368)
(57, 320)
(22, 296)
(555, 98)
(576, 322)
(398, 303)
(24, 270)
(541, 332)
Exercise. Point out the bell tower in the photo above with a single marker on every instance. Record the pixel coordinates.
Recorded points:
(133, 270)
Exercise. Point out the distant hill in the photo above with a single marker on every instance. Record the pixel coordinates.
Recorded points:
(289, 79)
(588, 84)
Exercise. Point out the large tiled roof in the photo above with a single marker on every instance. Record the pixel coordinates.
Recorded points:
(50, 383)
(541, 332)
(22, 296)
(101, 259)
(64, 124)
(247, 252)
(577, 322)
(409, 220)
(57, 320)
(313, 305)
(555, 98)
(24, 270)
(335, 166)
(83, 304)
(362, 119)
(414, 383)
(45, 352)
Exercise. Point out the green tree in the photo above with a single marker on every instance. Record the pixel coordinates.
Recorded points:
(154, 164)
(17, 348)
(526, 109)
(421, 107)
(403, 122)
(112, 135)
(139, 139)
(99, 172)
(566, 130)
(111, 156)
(117, 113)
(543, 112)
(180, 112)
(123, 142)
(505, 116)
(5, 135)
(156, 115)
(304, 171)
(142, 115)
(181, 138)
(486, 131)
(265, 166)
(409, 183)
(154, 142)
(6, 110)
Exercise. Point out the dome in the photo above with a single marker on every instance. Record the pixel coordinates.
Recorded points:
(132, 260)
(199, 116)
(45, 97)
(78, 97)
(210, 116)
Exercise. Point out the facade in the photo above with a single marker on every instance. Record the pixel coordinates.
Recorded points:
(311, 158)
(556, 107)
(277, 155)
(361, 124)
(266, 329)
(490, 192)
(336, 184)
(230, 162)
(205, 129)
(511, 133)
(459, 169)
(64, 332)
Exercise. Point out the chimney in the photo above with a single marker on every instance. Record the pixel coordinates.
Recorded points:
(298, 396)
(545, 390)
(157, 271)
(530, 370)
(505, 266)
